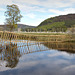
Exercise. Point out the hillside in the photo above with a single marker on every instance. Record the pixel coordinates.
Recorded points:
(25, 26)
(57, 23)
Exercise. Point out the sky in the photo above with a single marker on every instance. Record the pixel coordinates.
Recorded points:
(35, 11)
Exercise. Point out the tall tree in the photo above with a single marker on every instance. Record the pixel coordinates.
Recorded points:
(13, 16)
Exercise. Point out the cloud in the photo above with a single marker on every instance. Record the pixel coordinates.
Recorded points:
(62, 12)
(5, 2)
(39, 5)
(2, 66)
(71, 67)
(65, 55)
(28, 2)
(26, 64)
(48, 3)
(27, 9)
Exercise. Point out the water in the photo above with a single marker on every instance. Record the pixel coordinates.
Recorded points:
(37, 58)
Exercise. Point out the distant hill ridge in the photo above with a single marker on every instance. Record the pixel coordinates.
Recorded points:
(20, 26)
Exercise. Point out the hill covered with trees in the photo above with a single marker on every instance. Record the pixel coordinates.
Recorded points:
(58, 23)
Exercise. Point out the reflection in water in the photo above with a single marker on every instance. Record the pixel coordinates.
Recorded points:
(37, 59)
(11, 55)
(67, 47)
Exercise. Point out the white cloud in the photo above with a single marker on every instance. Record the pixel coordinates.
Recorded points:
(5, 2)
(48, 3)
(32, 2)
(2, 66)
(43, 3)
(27, 9)
(34, 5)
(71, 67)
(38, 5)
(65, 11)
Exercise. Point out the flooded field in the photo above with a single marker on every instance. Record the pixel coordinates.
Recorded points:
(24, 57)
